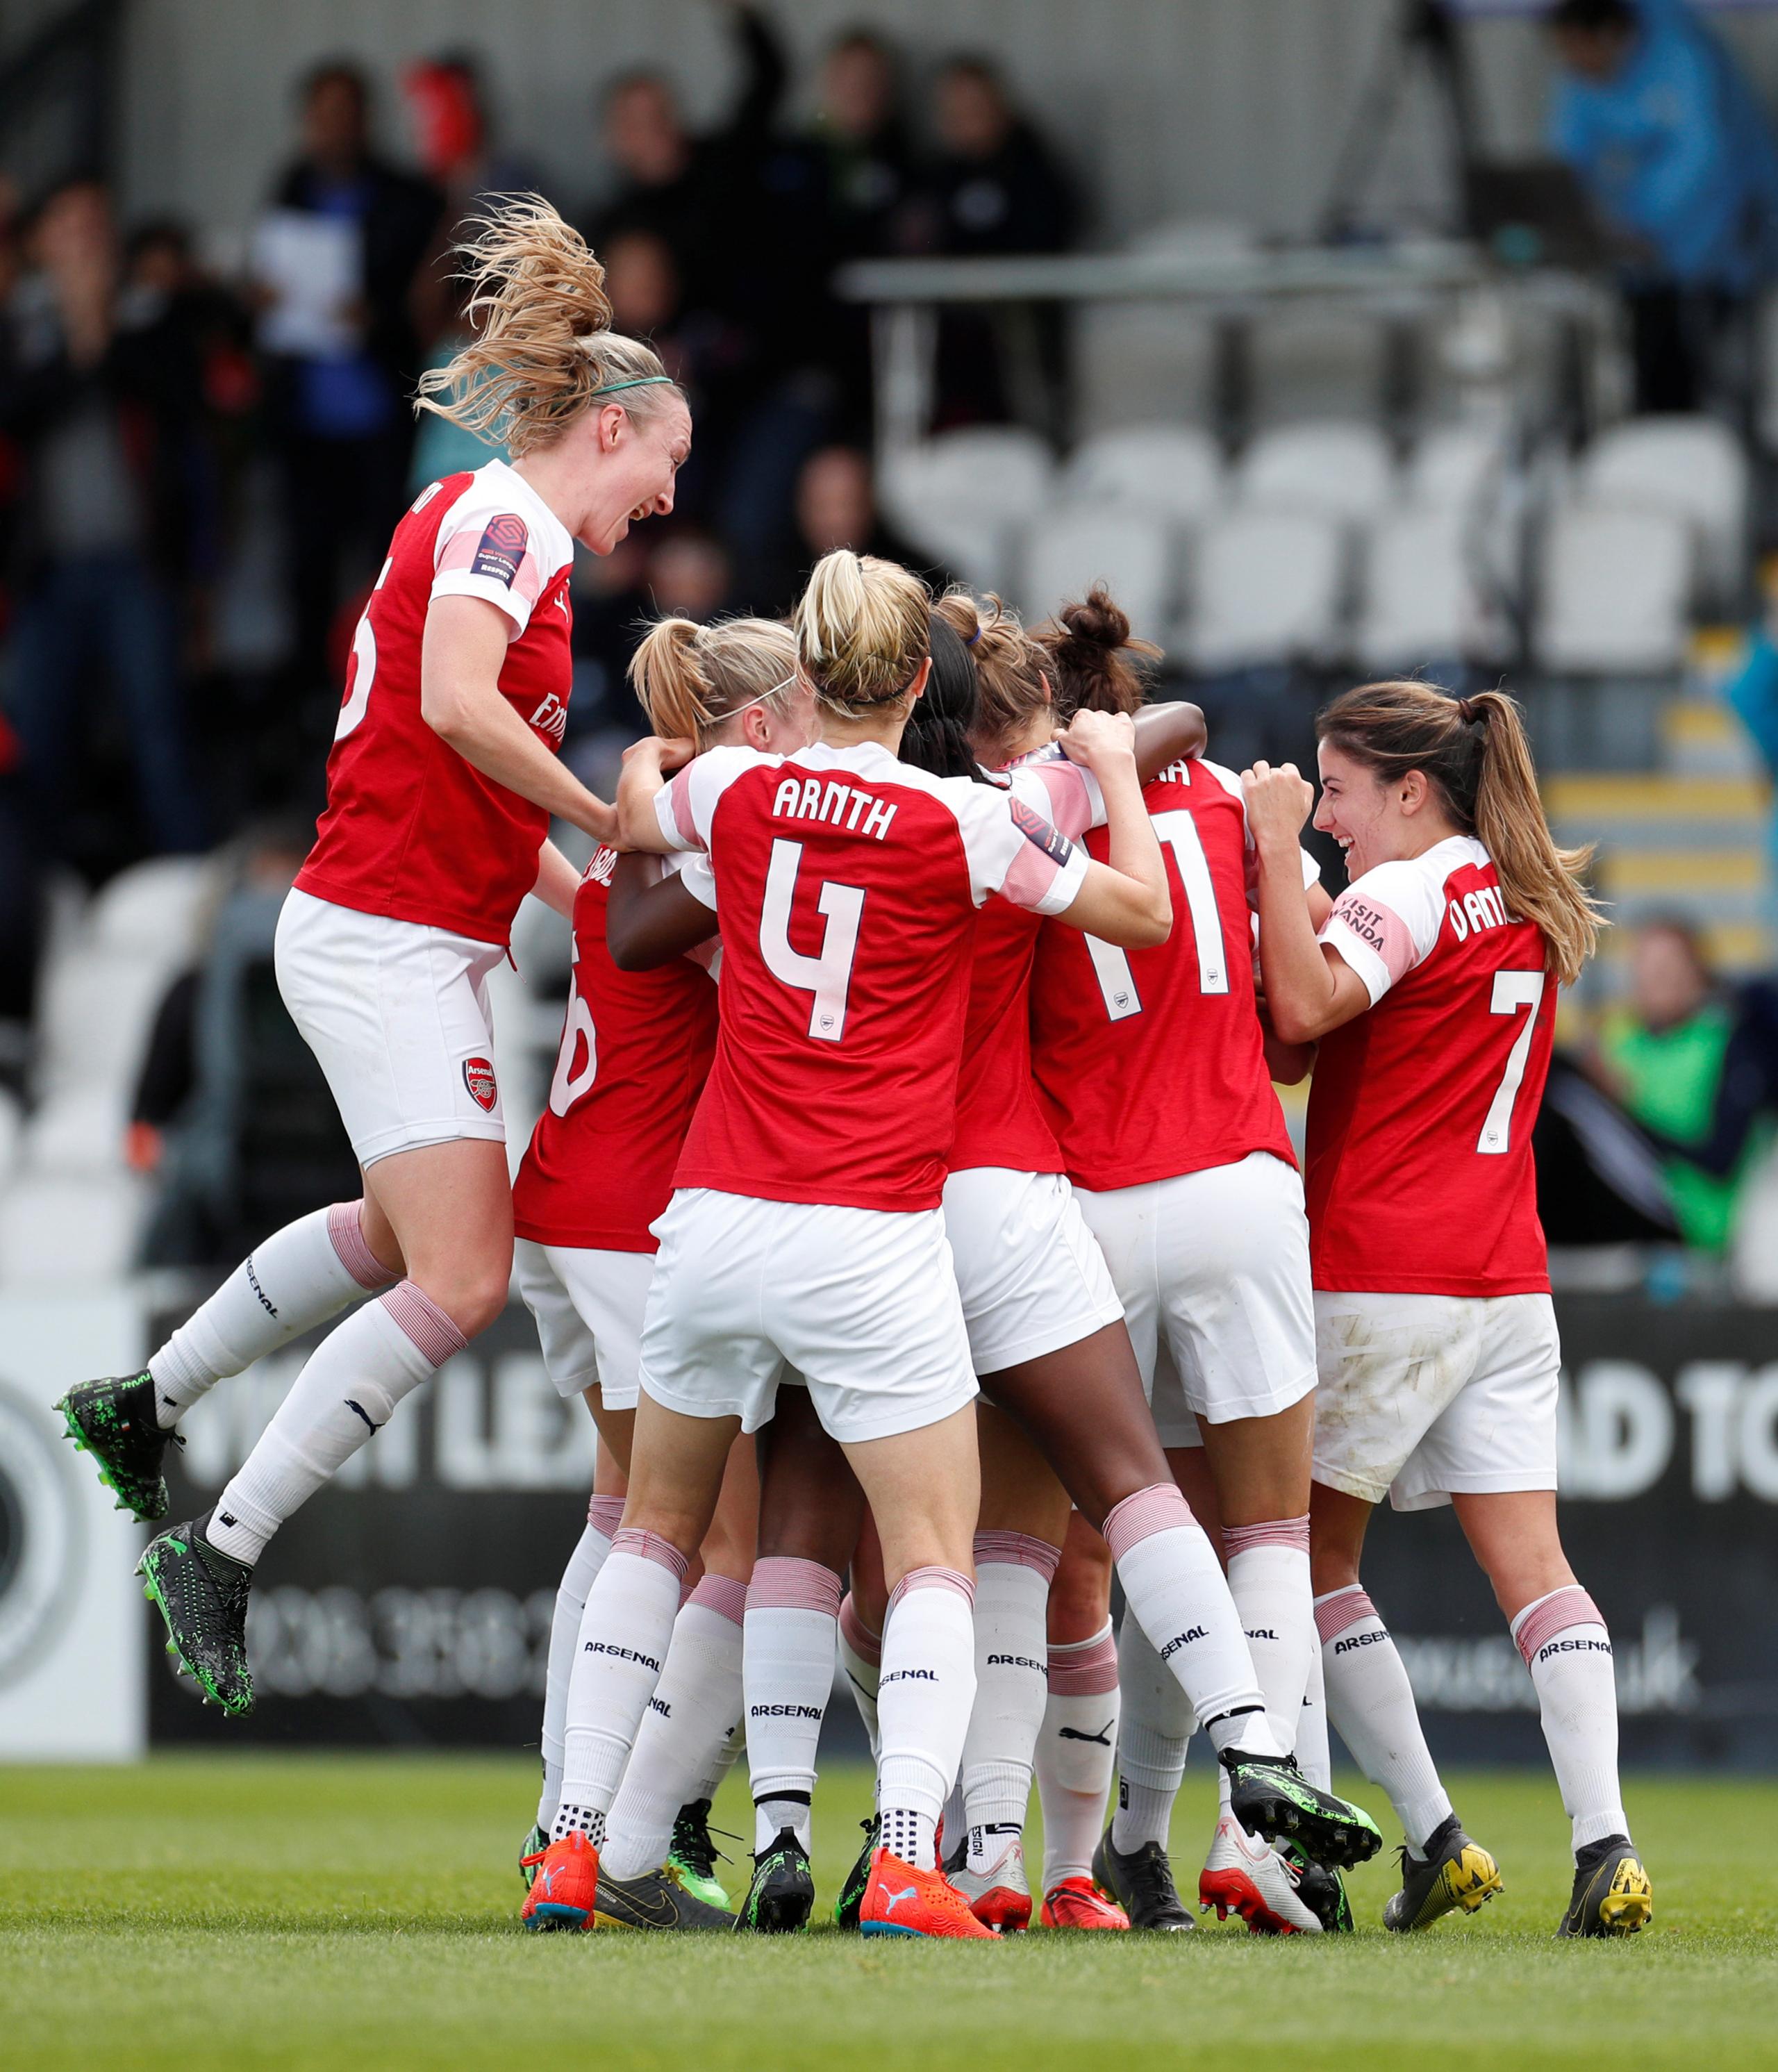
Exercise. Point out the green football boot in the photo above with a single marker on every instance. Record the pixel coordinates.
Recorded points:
(851, 1894)
(781, 1896)
(1269, 1795)
(693, 1856)
(114, 1420)
(531, 1852)
(202, 1595)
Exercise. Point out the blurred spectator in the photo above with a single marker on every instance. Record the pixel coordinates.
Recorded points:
(690, 576)
(340, 403)
(1666, 1053)
(102, 394)
(836, 507)
(994, 187)
(1657, 121)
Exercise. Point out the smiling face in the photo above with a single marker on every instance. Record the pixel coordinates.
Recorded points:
(1374, 822)
(632, 464)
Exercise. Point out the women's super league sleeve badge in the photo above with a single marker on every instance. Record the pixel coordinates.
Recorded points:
(478, 1077)
(1035, 829)
(503, 546)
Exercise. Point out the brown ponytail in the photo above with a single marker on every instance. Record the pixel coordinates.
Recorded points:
(1474, 752)
(1091, 656)
(689, 679)
(1010, 687)
(542, 350)
(862, 631)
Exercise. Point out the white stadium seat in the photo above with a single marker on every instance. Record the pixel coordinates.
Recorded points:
(1266, 587)
(1454, 467)
(152, 909)
(1331, 470)
(1615, 586)
(1422, 603)
(55, 1230)
(93, 1012)
(1692, 468)
(1173, 471)
(1067, 550)
(963, 496)
(78, 1131)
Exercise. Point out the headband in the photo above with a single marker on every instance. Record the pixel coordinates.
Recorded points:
(635, 381)
(735, 711)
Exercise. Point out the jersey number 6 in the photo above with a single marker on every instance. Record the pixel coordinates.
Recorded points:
(828, 977)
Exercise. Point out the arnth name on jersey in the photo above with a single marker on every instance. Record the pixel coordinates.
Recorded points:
(809, 798)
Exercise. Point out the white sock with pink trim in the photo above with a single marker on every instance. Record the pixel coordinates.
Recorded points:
(625, 1633)
(604, 1514)
(1568, 1652)
(861, 1657)
(297, 1278)
(1175, 1585)
(923, 1699)
(1370, 1703)
(691, 1713)
(348, 1389)
(793, 1627)
(1268, 1566)
(1076, 1751)
(1013, 1572)
(1153, 1735)
(1314, 1757)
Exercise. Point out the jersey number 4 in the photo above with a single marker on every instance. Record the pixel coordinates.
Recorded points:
(827, 977)
(1178, 832)
(1514, 991)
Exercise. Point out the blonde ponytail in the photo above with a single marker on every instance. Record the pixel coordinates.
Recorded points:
(1475, 752)
(862, 631)
(689, 679)
(543, 349)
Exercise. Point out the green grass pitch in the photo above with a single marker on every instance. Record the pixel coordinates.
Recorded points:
(253, 1912)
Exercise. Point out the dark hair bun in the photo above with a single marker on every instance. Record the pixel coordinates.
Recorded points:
(1096, 619)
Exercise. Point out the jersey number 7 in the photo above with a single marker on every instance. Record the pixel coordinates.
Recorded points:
(827, 977)
(1178, 832)
(1513, 991)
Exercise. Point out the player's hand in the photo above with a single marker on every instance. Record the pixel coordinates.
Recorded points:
(1096, 737)
(1279, 802)
(665, 754)
(599, 820)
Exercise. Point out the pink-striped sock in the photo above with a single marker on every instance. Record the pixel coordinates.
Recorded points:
(792, 1628)
(1568, 1651)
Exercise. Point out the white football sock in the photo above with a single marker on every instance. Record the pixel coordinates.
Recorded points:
(1269, 1580)
(923, 1701)
(1013, 1571)
(624, 1634)
(604, 1514)
(1370, 1703)
(793, 1628)
(722, 1761)
(1314, 1757)
(1175, 1585)
(1076, 1753)
(1568, 1652)
(861, 1657)
(1156, 1729)
(295, 1279)
(691, 1713)
(348, 1389)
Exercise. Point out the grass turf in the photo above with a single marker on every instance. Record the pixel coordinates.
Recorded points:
(355, 1912)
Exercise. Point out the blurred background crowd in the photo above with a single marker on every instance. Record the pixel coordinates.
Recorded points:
(1485, 415)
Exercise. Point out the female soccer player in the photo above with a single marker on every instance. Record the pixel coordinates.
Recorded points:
(1431, 992)
(441, 783)
(805, 1229)
(635, 1051)
(1187, 1180)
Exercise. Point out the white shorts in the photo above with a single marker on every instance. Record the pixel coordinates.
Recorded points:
(1424, 1394)
(1031, 1276)
(861, 1302)
(397, 1016)
(589, 1308)
(1214, 1271)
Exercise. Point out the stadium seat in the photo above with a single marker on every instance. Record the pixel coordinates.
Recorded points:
(94, 1008)
(963, 496)
(77, 1131)
(1691, 468)
(1332, 470)
(1173, 471)
(1266, 587)
(59, 1230)
(152, 909)
(1615, 587)
(1310, 363)
(1423, 607)
(1067, 550)
(1454, 467)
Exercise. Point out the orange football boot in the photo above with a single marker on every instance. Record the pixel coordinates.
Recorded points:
(567, 1884)
(1076, 1902)
(900, 1901)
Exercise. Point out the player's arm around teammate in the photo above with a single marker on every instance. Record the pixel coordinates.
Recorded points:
(442, 781)
(1432, 993)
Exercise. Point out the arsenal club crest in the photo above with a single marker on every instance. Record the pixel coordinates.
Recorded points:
(478, 1077)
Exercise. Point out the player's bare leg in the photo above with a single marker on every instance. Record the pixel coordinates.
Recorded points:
(447, 1211)
(1559, 1631)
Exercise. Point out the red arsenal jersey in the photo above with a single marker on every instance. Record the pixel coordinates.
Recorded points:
(1152, 1062)
(849, 883)
(412, 830)
(1420, 1177)
(635, 1051)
